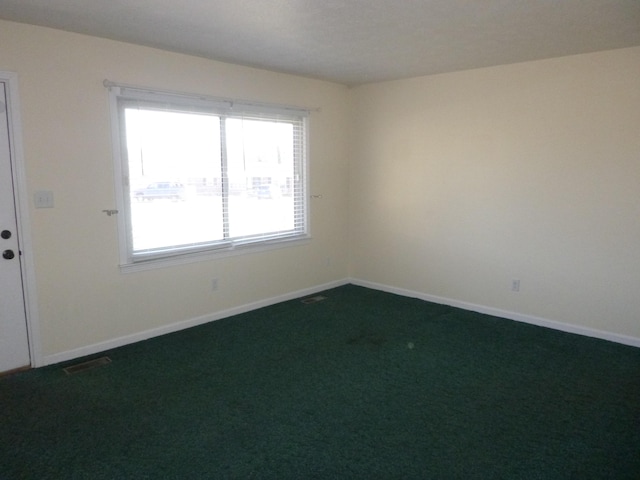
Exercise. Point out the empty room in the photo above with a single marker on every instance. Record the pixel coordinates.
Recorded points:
(337, 239)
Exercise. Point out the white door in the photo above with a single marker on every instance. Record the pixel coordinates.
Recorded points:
(14, 343)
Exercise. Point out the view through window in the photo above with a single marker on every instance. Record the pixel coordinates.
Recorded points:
(209, 178)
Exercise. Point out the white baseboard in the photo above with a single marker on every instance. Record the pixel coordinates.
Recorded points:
(496, 312)
(176, 327)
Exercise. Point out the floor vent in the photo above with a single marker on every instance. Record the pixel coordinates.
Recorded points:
(81, 367)
(316, 299)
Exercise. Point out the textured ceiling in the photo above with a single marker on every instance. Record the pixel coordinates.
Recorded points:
(350, 41)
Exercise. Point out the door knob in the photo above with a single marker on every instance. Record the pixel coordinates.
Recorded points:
(6, 234)
(8, 254)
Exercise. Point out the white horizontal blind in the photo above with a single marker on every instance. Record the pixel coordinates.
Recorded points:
(205, 174)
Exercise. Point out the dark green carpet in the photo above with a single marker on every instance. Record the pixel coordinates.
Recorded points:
(362, 385)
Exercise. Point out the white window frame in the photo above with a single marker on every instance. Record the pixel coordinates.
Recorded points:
(120, 95)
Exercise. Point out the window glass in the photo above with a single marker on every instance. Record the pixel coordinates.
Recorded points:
(208, 177)
(260, 159)
(174, 166)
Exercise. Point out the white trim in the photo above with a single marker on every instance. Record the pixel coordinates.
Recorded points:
(193, 322)
(182, 325)
(118, 175)
(496, 312)
(22, 217)
(156, 94)
(204, 255)
(132, 261)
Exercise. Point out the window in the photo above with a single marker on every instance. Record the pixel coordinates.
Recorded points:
(206, 175)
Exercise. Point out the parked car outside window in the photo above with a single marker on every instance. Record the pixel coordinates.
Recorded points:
(267, 191)
(161, 190)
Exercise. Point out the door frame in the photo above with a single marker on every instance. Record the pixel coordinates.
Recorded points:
(21, 201)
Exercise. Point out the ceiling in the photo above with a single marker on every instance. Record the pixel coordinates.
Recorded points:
(350, 41)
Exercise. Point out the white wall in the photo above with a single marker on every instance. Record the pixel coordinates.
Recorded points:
(459, 184)
(465, 181)
(83, 299)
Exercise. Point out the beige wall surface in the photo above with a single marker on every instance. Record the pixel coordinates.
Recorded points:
(451, 185)
(82, 297)
(462, 182)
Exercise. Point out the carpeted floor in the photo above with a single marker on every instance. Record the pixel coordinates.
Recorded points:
(364, 384)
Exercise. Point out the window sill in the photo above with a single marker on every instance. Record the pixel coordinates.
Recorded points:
(203, 256)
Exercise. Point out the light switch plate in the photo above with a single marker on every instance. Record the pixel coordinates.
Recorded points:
(43, 199)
